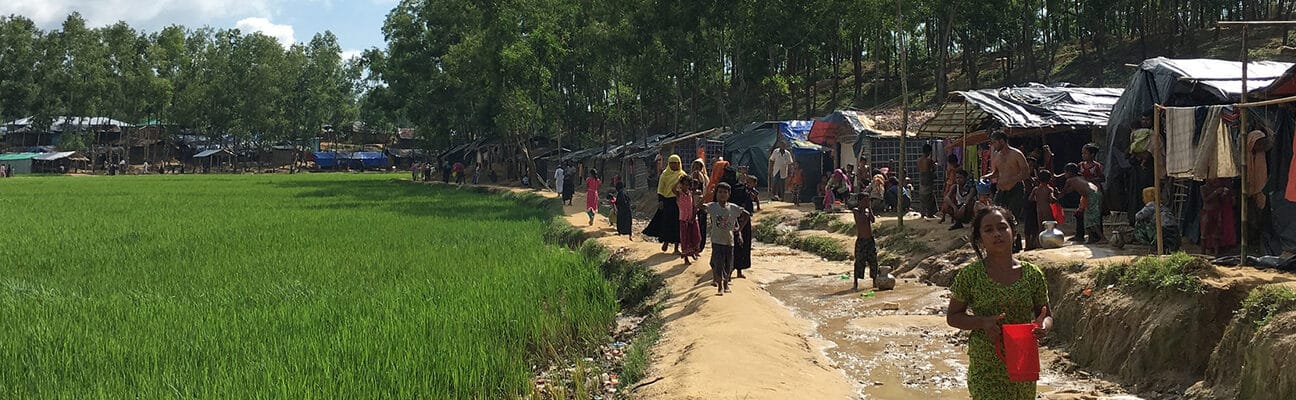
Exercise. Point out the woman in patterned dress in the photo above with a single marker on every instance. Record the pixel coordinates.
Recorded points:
(999, 290)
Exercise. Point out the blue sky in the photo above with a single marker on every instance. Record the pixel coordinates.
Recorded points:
(357, 23)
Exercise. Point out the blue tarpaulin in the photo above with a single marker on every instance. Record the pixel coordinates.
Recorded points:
(369, 159)
(359, 159)
(326, 159)
(795, 130)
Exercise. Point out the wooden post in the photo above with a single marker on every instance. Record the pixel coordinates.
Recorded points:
(1242, 241)
(963, 148)
(1156, 179)
(904, 101)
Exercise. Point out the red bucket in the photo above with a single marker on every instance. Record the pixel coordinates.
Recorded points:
(1020, 352)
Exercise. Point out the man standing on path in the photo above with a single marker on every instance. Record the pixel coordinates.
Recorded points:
(1009, 171)
(559, 175)
(779, 162)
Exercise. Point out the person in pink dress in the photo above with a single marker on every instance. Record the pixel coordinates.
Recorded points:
(592, 183)
(690, 232)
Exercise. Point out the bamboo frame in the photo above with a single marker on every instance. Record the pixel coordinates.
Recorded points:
(1156, 181)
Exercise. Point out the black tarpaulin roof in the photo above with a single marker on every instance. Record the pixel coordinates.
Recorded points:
(1028, 107)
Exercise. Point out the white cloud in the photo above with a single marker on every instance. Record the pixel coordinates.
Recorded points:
(282, 33)
(349, 54)
(50, 14)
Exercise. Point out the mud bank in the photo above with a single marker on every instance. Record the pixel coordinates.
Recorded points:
(1164, 343)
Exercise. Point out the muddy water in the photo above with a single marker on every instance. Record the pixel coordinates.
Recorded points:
(896, 343)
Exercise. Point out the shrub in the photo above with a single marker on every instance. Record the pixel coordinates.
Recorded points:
(1265, 302)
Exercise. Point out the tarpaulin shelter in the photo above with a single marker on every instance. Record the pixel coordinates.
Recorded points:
(1206, 82)
(326, 159)
(845, 131)
(50, 162)
(1193, 82)
(1063, 117)
(752, 145)
(367, 160)
(18, 163)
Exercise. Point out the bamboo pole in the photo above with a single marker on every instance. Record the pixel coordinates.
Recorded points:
(1242, 240)
(904, 99)
(1156, 180)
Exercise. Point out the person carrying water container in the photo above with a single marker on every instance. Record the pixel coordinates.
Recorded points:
(1002, 293)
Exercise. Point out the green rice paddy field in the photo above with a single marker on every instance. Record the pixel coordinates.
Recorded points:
(282, 286)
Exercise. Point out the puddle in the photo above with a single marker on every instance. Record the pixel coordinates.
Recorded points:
(896, 344)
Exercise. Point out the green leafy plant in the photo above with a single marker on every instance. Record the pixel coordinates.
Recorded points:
(1265, 302)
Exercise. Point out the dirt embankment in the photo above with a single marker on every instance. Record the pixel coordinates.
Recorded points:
(1160, 343)
(1254, 358)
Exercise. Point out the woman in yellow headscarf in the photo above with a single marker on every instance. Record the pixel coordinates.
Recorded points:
(665, 222)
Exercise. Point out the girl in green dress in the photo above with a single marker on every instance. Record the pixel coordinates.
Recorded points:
(999, 290)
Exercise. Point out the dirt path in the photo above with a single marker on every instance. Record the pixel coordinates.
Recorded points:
(743, 345)
(795, 329)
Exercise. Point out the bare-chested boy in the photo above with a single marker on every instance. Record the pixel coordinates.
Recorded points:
(865, 245)
(1090, 201)
(1009, 171)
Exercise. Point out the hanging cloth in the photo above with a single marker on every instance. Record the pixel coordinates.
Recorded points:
(1216, 149)
(1291, 172)
(1181, 126)
(1257, 165)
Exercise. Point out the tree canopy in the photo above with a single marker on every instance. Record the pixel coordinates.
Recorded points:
(617, 69)
(213, 82)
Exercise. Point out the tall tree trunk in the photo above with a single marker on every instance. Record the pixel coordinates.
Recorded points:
(942, 55)
(794, 92)
(810, 85)
(857, 60)
(836, 81)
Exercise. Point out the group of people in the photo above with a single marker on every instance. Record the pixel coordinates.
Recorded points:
(695, 206)
(1019, 184)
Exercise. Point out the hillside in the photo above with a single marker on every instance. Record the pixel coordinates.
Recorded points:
(1078, 65)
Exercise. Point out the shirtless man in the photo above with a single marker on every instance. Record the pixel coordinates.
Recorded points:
(1009, 171)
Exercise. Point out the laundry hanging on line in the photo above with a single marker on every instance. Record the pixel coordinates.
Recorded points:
(1181, 127)
(1201, 150)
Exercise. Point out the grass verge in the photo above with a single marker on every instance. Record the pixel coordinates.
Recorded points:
(1178, 272)
(767, 230)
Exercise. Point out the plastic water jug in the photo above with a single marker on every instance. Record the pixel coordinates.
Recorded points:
(1020, 352)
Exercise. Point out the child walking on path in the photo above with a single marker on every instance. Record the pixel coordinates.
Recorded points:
(865, 245)
(690, 236)
(724, 223)
(592, 184)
